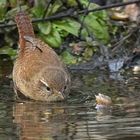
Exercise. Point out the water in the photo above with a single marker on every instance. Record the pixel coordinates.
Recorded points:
(76, 118)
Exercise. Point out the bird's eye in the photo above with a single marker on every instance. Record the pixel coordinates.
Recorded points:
(45, 85)
(65, 87)
(48, 88)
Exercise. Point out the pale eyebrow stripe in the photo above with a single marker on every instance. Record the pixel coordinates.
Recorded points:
(44, 83)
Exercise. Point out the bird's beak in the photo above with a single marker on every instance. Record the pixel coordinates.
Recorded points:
(61, 94)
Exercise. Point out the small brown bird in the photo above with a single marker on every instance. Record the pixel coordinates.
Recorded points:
(38, 72)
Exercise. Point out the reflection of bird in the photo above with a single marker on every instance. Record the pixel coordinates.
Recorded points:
(38, 121)
(38, 72)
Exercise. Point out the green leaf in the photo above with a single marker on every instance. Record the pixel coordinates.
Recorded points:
(88, 53)
(62, 33)
(68, 25)
(45, 27)
(97, 27)
(13, 3)
(68, 58)
(72, 3)
(38, 11)
(53, 38)
(84, 2)
(11, 52)
(2, 8)
(2, 13)
(84, 34)
(11, 13)
(55, 7)
(3, 3)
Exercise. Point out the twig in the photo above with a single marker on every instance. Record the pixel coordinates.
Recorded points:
(72, 12)
(109, 6)
(120, 42)
(67, 13)
(79, 4)
(82, 22)
(47, 7)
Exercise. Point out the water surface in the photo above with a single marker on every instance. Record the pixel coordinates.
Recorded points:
(76, 118)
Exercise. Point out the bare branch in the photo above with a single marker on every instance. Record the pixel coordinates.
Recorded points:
(109, 6)
(72, 13)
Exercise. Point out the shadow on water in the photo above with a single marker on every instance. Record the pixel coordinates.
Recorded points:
(76, 118)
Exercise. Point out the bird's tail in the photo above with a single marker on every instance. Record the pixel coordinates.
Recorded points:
(25, 27)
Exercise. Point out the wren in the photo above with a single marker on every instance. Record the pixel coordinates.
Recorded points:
(38, 72)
